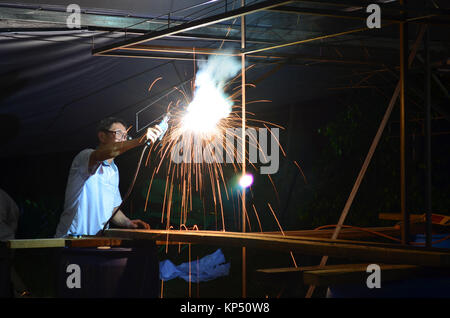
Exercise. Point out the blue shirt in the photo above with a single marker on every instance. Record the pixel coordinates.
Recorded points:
(91, 196)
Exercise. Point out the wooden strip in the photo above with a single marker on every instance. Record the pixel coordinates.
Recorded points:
(113, 242)
(305, 238)
(283, 270)
(436, 219)
(346, 233)
(398, 217)
(93, 242)
(358, 274)
(342, 249)
(36, 243)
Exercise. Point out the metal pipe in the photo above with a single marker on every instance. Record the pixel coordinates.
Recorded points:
(428, 207)
(421, 16)
(242, 11)
(322, 37)
(403, 74)
(330, 13)
(172, 52)
(244, 211)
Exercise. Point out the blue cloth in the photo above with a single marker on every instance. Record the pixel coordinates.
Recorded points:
(209, 267)
(91, 196)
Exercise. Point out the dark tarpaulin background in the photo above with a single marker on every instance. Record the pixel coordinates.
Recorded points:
(54, 92)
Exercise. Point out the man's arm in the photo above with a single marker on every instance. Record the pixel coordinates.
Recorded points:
(120, 219)
(113, 150)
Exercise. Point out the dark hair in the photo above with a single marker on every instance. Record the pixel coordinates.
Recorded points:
(106, 123)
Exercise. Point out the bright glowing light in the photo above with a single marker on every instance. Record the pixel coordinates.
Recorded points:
(207, 108)
(246, 180)
(210, 104)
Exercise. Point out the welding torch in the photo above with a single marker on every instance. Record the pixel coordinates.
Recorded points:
(163, 125)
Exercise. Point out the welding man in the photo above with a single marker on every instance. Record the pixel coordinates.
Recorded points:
(92, 192)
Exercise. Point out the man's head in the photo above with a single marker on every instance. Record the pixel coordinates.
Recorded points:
(111, 130)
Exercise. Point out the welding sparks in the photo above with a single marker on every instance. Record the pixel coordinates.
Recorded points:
(198, 120)
(210, 104)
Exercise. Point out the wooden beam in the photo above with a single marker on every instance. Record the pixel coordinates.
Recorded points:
(88, 241)
(329, 276)
(435, 218)
(398, 217)
(94, 242)
(36, 243)
(337, 274)
(287, 270)
(346, 233)
(368, 251)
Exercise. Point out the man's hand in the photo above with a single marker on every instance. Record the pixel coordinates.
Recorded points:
(154, 132)
(136, 224)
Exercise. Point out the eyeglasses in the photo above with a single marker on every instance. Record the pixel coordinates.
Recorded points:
(119, 134)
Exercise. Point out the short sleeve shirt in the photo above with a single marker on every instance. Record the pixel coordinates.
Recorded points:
(91, 196)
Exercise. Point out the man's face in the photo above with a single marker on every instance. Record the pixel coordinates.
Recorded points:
(116, 133)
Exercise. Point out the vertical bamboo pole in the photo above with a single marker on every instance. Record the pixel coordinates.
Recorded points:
(244, 256)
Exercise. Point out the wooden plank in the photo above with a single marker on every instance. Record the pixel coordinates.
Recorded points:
(36, 243)
(296, 273)
(283, 270)
(275, 236)
(346, 233)
(372, 252)
(435, 218)
(96, 241)
(398, 216)
(358, 274)
(88, 241)
(93, 242)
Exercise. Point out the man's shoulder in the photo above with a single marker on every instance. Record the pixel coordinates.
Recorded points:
(84, 154)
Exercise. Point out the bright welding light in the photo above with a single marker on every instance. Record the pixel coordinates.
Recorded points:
(207, 108)
(210, 104)
(246, 180)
